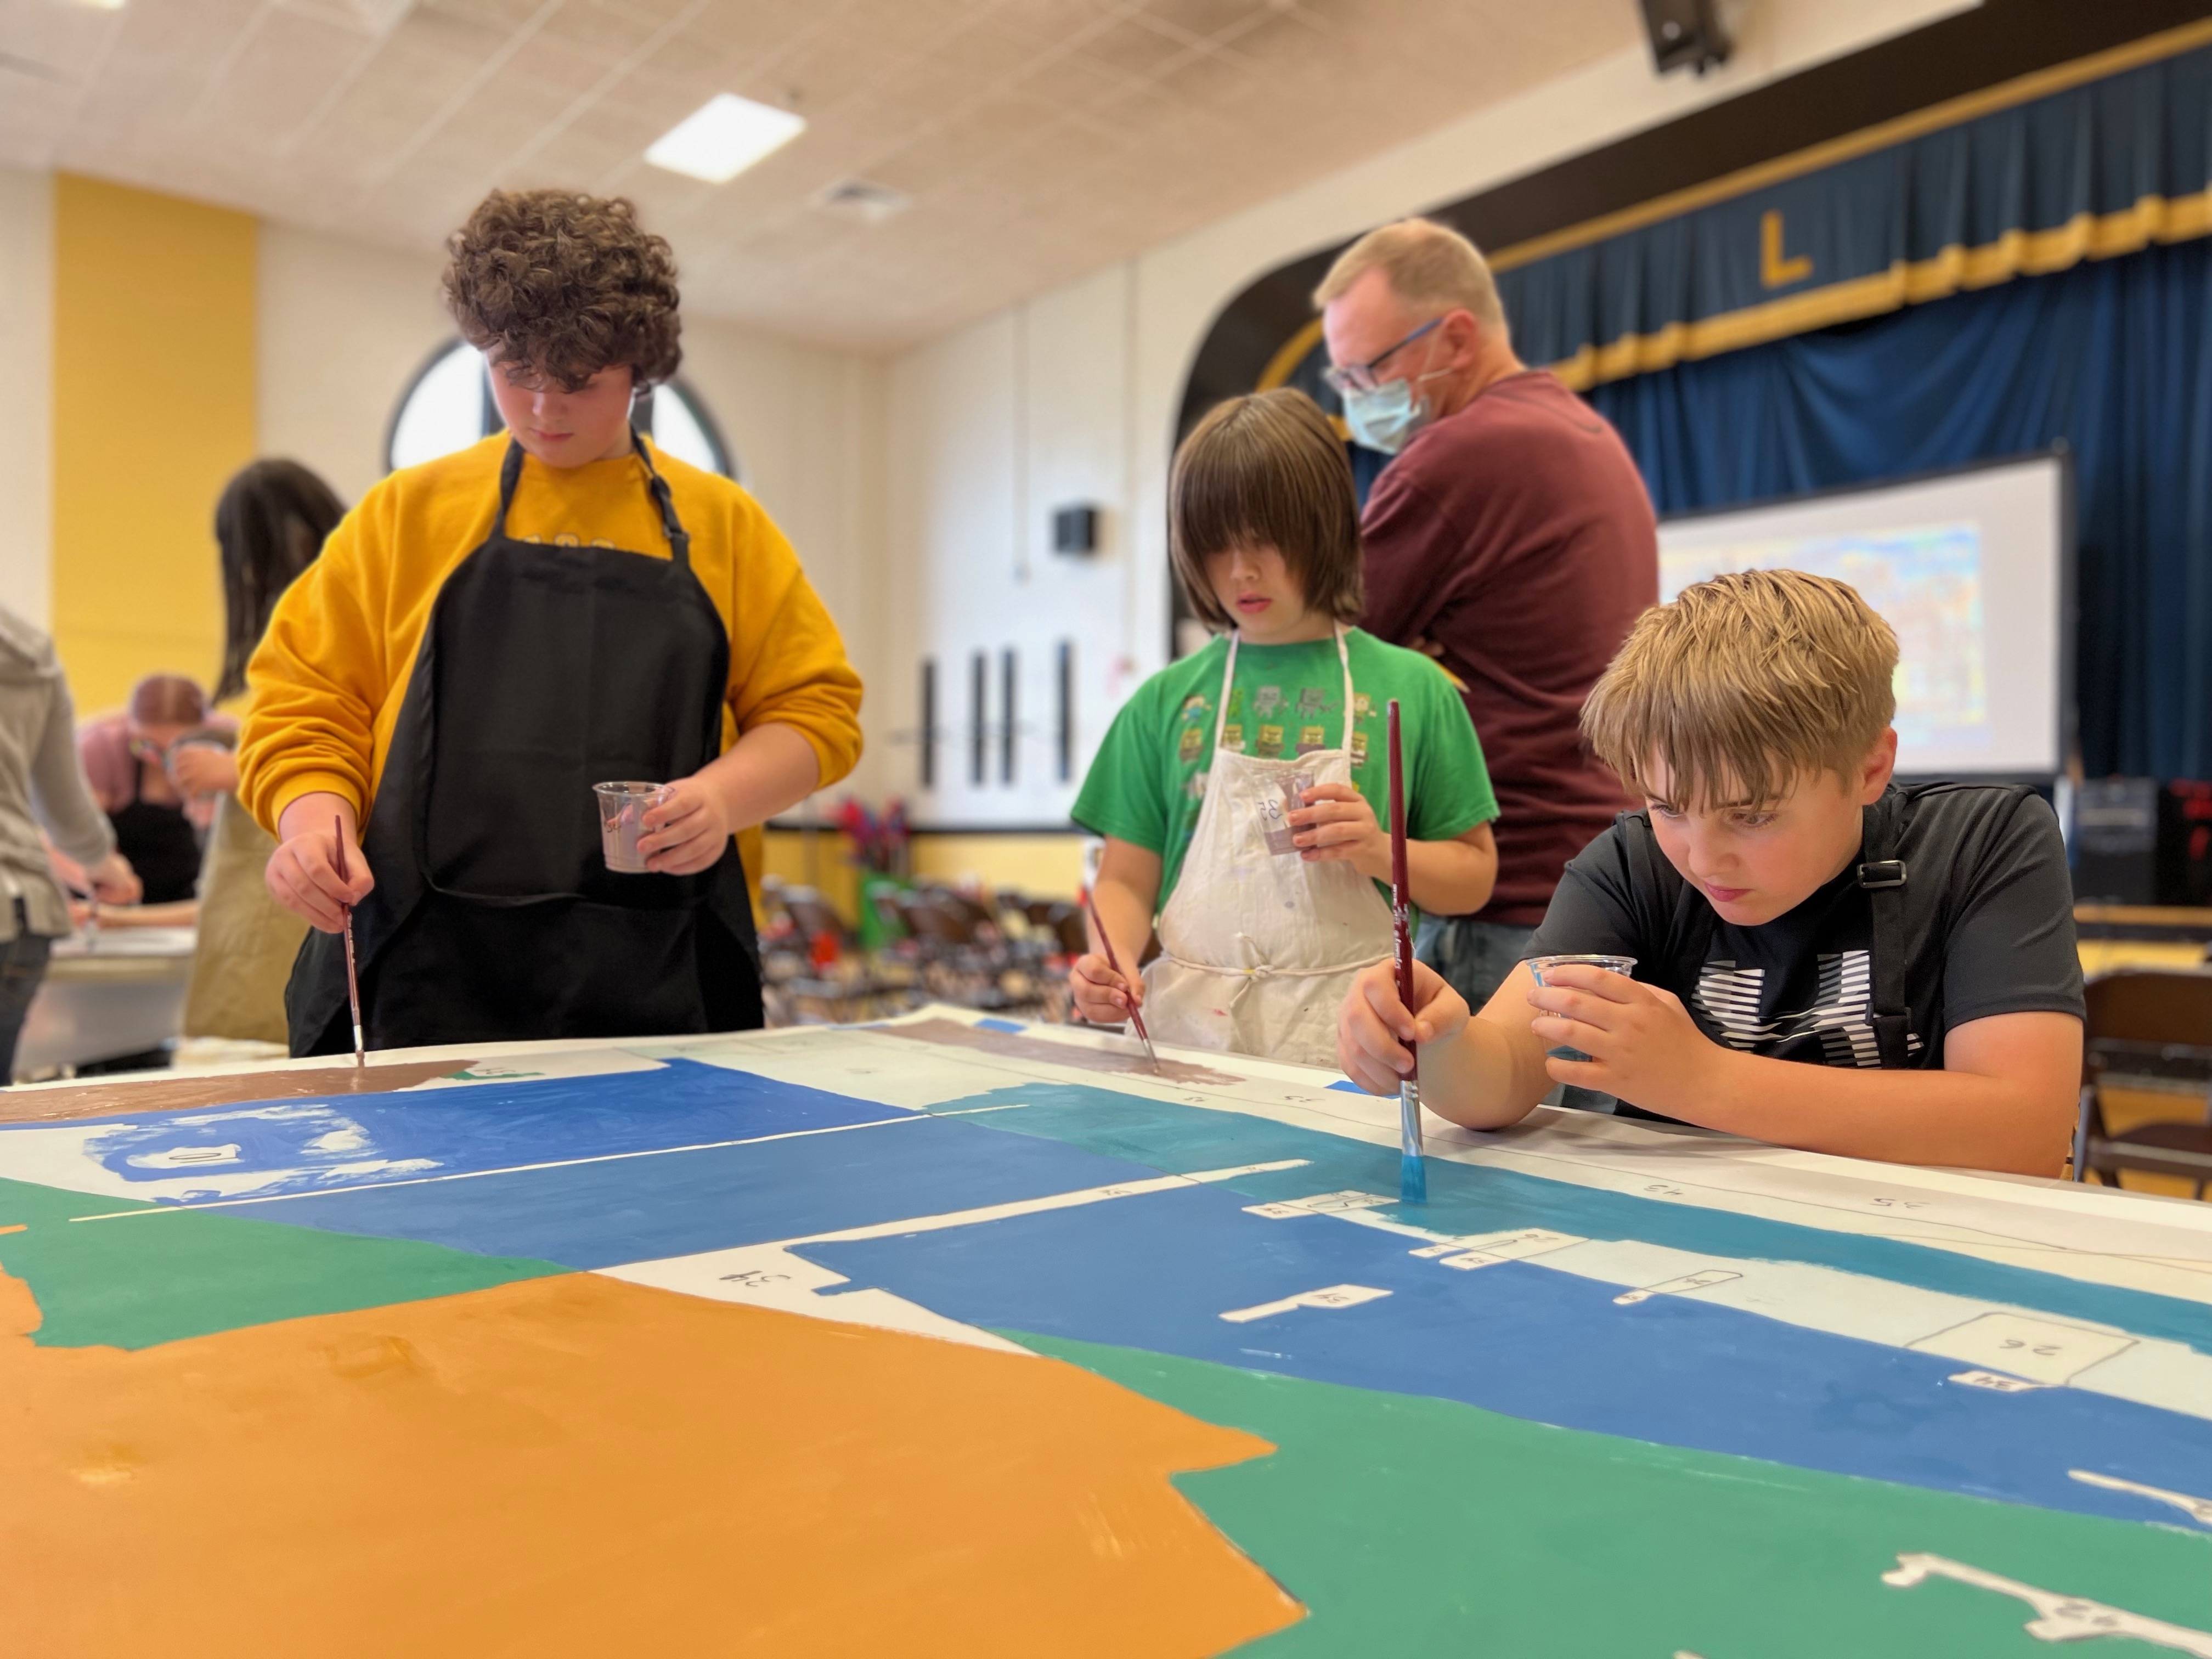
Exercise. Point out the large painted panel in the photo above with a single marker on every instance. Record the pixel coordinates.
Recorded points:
(950, 1334)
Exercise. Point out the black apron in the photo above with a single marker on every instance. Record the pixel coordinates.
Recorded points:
(160, 841)
(543, 670)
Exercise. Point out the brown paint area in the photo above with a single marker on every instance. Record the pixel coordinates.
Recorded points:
(187, 1094)
(582, 1466)
(953, 1035)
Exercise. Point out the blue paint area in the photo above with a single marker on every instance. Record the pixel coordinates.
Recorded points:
(1465, 1198)
(1157, 1272)
(999, 1025)
(1348, 1086)
(601, 1215)
(1412, 1178)
(353, 1140)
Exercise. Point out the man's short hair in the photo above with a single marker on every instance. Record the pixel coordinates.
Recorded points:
(1430, 267)
(566, 283)
(1267, 470)
(1742, 684)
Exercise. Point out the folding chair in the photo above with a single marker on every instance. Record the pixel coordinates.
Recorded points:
(2147, 1030)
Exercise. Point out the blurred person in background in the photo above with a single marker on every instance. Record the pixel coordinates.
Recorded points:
(42, 783)
(270, 524)
(156, 770)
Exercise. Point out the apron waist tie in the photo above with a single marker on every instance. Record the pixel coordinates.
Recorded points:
(1267, 971)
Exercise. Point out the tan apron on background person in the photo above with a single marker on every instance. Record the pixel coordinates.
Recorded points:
(247, 939)
(1258, 949)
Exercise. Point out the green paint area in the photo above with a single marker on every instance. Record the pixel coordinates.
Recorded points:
(1418, 1526)
(135, 1282)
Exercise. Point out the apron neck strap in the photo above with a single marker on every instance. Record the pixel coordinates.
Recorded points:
(1228, 679)
(510, 474)
(679, 539)
(1344, 658)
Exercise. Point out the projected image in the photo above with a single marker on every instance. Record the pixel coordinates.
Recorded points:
(1926, 581)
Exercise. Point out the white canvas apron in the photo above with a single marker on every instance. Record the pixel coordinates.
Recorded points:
(1258, 949)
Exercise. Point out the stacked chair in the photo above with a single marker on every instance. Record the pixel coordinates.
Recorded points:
(1003, 952)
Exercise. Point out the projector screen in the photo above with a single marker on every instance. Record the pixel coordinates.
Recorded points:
(1973, 568)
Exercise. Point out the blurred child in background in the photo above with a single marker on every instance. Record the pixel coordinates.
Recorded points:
(270, 524)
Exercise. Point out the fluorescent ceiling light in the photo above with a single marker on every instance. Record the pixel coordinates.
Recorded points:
(724, 136)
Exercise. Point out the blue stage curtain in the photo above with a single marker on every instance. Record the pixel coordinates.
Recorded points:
(2091, 171)
(2114, 358)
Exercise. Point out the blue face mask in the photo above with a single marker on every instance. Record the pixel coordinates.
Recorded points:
(1386, 418)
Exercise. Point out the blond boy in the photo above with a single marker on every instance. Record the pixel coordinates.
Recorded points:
(1823, 959)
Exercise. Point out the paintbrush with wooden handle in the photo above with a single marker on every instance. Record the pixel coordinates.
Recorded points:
(1412, 1165)
(1106, 944)
(353, 979)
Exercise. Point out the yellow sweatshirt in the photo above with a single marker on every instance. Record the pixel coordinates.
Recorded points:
(331, 672)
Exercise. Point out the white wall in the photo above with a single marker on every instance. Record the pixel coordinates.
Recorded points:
(26, 393)
(1078, 392)
(343, 329)
(991, 430)
(807, 425)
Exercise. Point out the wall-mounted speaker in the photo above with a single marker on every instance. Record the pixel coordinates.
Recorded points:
(1686, 34)
(1075, 529)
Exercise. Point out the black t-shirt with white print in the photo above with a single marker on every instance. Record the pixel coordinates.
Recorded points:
(1987, 917)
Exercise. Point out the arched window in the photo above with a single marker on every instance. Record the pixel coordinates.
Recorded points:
(447, 406)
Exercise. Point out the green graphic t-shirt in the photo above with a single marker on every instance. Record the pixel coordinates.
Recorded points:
(1149, 778)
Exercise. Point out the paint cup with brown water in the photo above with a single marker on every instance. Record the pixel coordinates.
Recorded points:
(1625, 966)
(623, 808)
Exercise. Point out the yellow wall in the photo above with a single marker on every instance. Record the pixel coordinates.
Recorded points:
(1043, 866)
(154, 409)
(818, 861)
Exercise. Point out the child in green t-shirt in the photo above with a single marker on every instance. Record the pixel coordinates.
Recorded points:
(1240, 790)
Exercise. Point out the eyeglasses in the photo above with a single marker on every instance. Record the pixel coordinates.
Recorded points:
(1360, 377)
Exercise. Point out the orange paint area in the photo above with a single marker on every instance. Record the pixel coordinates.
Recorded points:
(578, 1465)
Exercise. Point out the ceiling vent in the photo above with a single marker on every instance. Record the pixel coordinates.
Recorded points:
(862, 199)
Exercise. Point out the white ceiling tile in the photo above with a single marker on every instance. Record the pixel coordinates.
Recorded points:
(1040, 138)
(278, 77)
(1134, 47)
(561, 66)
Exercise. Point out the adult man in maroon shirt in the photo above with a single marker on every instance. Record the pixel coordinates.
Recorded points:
(1511, 539)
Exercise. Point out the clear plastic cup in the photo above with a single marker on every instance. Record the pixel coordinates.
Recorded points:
(1625, 966)
(623, 808)
(1275, 828)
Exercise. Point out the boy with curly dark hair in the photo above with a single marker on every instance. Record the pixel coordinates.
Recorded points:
(488, 635)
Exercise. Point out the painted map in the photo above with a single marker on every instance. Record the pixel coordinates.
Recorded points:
(1926, 582)
(955, 1335)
